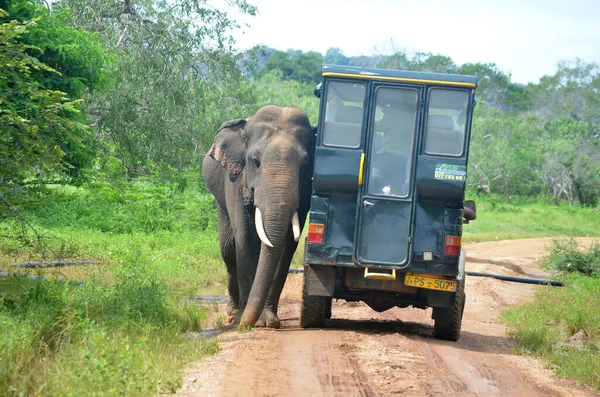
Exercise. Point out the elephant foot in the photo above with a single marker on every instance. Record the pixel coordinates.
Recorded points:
(235, 318)
(268, 319)
(232, 308)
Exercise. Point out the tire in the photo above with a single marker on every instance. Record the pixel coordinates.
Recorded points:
(448, 320)
(315, 310)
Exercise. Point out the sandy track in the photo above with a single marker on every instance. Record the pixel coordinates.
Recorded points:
(364, 353)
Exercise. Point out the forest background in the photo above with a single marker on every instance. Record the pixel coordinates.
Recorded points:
(121, 89)
(106, 111)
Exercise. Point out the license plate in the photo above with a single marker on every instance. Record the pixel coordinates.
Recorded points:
(430, 281)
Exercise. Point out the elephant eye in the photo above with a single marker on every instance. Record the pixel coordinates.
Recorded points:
(256, 161)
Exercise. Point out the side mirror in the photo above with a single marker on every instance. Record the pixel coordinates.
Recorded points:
(469, 211)
(317, 90)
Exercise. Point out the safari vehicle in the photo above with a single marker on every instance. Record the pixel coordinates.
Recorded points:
(387, 206)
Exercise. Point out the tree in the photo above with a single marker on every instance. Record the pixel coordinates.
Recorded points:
(495, 87)
(175, 80)
(261, 56)
(44, 66)
(365, 61)
(421, 61)
(398, 61)
(281, 61)
(271, 88)
(301, 67)
(307, 68)
(573, 90)
(428, 62)
(75, 54)
(335, 56)
(572, 160)
(34, 122)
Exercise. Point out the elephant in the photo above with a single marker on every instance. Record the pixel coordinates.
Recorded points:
(259, 170)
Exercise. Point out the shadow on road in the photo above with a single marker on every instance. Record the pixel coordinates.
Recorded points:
(419, 332)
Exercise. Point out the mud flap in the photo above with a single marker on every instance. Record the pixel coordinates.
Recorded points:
(320, 280)
(440, 298)
(461, 265)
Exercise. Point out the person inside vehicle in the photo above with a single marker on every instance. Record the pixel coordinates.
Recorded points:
(391, 152)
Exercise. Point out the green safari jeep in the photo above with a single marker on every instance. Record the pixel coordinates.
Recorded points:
(387, 205)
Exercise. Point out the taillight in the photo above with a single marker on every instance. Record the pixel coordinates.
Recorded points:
(452, 245)
(315, 233)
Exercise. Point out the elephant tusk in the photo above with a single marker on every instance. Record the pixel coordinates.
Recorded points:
(260, 229)
(296, 226)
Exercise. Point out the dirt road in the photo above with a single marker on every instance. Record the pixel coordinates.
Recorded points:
(364, 353)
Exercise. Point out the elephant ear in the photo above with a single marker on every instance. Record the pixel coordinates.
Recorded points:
(229, 147)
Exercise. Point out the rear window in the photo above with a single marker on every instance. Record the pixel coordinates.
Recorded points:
(446, 120)
(344, 114)
(392, 145)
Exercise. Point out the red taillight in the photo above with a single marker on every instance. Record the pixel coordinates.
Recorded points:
(452, 245)
(315, 233)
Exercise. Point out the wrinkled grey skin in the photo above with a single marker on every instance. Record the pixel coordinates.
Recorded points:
(264, 161)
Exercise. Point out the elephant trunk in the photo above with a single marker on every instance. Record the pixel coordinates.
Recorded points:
(275, 216)
(276, 224)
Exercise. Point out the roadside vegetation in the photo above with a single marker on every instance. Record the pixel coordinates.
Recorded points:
(124, 330)
(126, 338)
(562, 325)
(106, 110)
(502, 218)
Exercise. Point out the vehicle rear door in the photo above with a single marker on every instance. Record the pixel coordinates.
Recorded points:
(385, 198)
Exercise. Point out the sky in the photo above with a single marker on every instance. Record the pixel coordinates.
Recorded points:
(526, 38)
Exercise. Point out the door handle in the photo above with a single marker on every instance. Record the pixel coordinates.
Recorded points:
(367, 203)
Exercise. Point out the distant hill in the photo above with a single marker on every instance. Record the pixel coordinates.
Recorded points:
(333, 56)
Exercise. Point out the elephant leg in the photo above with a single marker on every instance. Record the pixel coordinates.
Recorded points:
(227, 245)
(247, 256)
(269, 316)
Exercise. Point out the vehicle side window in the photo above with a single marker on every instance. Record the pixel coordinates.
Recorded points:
(446, 120)
(344, 114)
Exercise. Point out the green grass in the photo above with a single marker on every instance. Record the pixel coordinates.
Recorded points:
(503, 218)
(157, 247)
(544, 326)
(122, 331)
(120, 339)
(172, 233)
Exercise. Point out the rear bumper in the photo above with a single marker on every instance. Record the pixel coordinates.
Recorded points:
(349, 283)
(333, 259)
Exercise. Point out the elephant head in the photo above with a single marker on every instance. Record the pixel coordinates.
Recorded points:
(269, 156)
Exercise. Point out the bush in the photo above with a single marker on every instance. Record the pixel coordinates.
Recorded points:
(45, 67)
(119, 339)
(566, 256)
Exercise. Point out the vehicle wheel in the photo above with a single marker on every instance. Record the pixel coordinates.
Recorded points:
(315, 309)
(448, 320)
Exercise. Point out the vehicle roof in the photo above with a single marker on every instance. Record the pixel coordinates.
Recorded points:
(406, 76)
